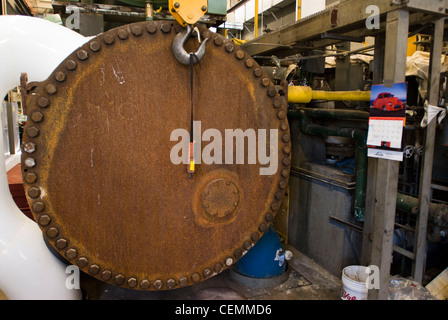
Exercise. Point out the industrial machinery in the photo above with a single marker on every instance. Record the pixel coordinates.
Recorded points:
(157, 154)
(97, 155)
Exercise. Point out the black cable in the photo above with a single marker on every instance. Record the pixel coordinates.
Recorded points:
(192, 62)
(192, 55)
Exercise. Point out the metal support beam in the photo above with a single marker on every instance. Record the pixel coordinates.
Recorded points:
(428, 156)
(335, 36)
(345, 18)
(385, 186)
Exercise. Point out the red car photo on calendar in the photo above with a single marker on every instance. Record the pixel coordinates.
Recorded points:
(388, 101)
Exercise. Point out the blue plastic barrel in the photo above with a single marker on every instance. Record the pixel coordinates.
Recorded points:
(260, 261)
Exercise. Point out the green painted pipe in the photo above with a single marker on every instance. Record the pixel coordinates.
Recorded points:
(437, 212)
(335, 113)
(359, 135)
(407, 203)
(410, 204)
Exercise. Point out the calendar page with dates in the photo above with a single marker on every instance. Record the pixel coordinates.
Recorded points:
(386, 122)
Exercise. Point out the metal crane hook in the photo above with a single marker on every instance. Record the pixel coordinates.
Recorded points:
(178, 47)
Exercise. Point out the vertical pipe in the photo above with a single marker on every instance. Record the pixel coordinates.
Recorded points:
(4, 8)
(262, 18)
(428, 156)
(27, 268)
(149, 11)
(298, 10)
(256, 19)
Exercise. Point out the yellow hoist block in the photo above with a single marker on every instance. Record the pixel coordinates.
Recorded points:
(187, 11)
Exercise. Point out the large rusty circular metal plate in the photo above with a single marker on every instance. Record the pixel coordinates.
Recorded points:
(97, 168)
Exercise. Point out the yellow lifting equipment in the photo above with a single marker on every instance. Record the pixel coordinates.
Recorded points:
(187, 11)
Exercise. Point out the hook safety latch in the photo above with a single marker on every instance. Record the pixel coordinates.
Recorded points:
(180, 53)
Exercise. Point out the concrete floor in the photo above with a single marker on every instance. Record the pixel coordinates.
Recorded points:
(306, 280)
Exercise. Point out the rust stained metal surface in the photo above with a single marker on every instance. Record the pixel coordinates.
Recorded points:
(96, 158)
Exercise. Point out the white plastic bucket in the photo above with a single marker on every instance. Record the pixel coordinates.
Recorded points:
(354, 283)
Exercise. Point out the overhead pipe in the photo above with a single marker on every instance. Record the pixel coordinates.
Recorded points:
(28, 270)
(304, 94)
(359, 135)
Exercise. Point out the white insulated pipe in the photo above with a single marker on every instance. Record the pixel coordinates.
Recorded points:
(28, 270)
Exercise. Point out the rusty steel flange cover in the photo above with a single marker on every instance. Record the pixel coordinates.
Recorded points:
(96, 158)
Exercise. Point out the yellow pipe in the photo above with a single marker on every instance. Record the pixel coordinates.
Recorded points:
(256, 19)
(303, 94)
(300, 94)
(299, 10)
(342, 95)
